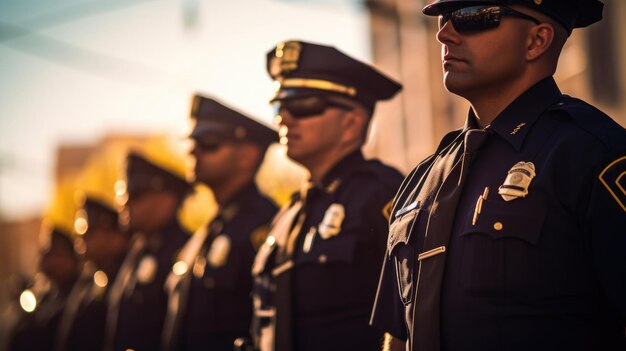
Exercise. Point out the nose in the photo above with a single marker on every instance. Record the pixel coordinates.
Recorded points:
(447, 33)
(284, 118)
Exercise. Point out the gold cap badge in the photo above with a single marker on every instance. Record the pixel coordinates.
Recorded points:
(517, 181)
(331, 224)
(285, 59)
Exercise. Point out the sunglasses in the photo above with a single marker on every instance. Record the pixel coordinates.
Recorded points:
(208, 146)
(478, 18)
(307, 107)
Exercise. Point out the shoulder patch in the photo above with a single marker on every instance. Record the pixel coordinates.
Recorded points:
(387, 210)
(258, 236)
(613, 177)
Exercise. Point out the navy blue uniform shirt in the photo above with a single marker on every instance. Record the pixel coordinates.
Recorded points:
(336, 259)
(213, 296)
(544, 271)
(138, 301)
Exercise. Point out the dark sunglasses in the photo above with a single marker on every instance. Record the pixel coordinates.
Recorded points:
(208, 146)
(478, 18)
(307, 107)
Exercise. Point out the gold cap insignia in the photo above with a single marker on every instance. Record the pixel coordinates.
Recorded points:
(147, 269)
(331, 224)
(517, 181)
(218, 253)
(195, 105)
(285, 59)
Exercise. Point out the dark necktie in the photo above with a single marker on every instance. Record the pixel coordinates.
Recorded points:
(432, 259)
(283, 332)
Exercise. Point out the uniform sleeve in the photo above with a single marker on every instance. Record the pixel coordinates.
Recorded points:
(388, 310)
(606, 226)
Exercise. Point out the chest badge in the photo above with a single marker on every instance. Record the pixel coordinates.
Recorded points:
(146, 270)
(331, 224)
(517, 181)
(219, 251)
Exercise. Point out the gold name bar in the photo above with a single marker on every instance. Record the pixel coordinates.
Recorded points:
(431, 253)
(282, 268)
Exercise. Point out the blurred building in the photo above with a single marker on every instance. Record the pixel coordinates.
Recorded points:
(404, 45)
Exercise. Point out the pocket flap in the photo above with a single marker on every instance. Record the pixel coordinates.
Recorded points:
(522, 220)
(400, 230)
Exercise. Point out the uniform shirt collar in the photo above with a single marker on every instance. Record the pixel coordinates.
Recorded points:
(514, 123)
(230, 210)
(340, 170)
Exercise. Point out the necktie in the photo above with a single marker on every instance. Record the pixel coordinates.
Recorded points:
(426, 333)
(283, 338)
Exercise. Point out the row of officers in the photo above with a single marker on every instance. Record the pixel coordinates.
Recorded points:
(511, 236)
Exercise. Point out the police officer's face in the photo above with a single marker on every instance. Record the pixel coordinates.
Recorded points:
(215, 163)
(148, 211)
(309, 139)
(482, 62)
(59, 263)
(105, 247)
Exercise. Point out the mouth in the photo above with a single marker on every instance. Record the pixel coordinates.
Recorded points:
(449, 59)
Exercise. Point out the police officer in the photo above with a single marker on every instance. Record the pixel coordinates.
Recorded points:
(511, 236)
(210, 286)
(315, 276)
(155, 189)
(44, 300)
(83, 320)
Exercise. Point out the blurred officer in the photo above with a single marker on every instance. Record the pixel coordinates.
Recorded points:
(43, 301)
(315, 275)
(210, 286)
(155, 190)
(511, 236)
(83, 320)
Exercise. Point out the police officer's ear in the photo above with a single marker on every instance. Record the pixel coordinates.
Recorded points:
(541, 38)
(355, 124)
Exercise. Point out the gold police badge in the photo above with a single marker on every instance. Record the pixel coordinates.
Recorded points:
(331, 224)
(146, 270)
(517, 181)
(219, 251)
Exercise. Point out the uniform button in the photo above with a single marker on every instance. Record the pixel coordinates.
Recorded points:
(322, 259)
(498, 226)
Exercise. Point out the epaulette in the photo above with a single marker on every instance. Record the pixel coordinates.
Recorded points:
(592, 120)
(385, 174)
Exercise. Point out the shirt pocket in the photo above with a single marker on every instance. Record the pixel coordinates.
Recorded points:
(402, 252)
(335, 250)
(499, 250)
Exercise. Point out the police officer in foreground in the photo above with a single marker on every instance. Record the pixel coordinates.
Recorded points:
(511, 236)
(83, 320)
(209, 287)
(154, 192)
(315, 276)
(45, 298)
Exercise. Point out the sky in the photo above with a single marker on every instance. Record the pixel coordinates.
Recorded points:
(73, 71)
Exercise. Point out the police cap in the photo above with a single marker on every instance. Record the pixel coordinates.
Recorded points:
(216, 122)
(94, 214)
(569, 13)
(303, 69)
(143, 175)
